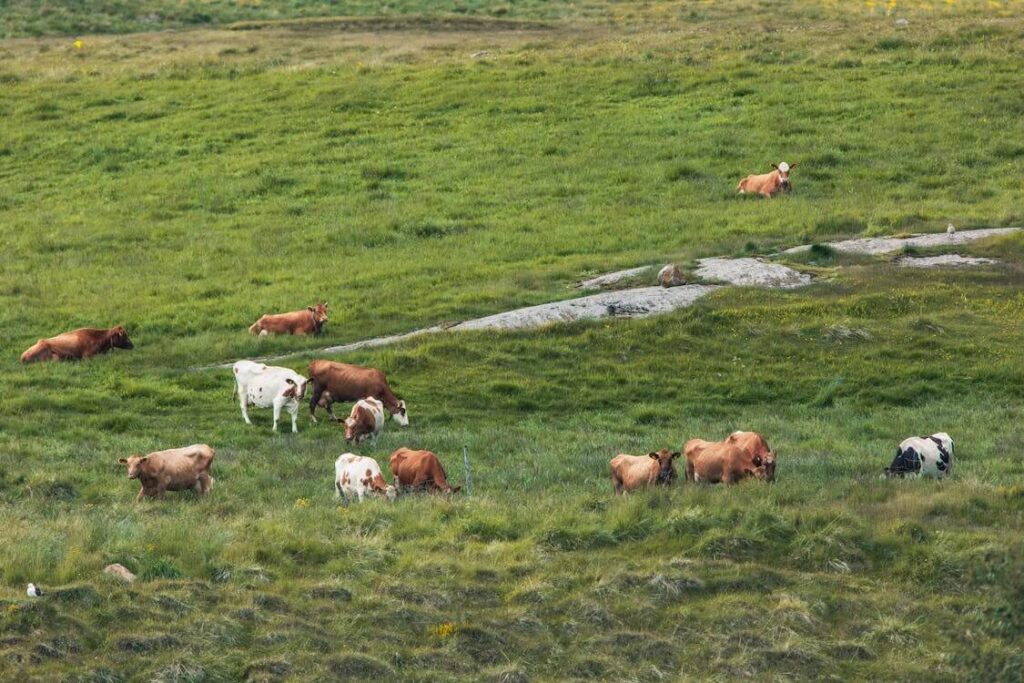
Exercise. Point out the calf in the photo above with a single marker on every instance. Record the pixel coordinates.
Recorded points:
(177, 469)
(768, 184)
(78, 344)
(309, 321)
(420, 470)
(344, 382)
(365, 421)
(265, 386)
(923, 456)
(357, 475)
(742, 455)
(631, 472)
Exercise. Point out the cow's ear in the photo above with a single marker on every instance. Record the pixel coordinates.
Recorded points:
(122, 461)
(310, 309)
(676, 455)
(652, 454)
(757, 461)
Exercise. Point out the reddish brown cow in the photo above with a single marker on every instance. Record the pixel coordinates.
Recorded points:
(768, 184)
(420, 470)
(176, 469)
(309, 321)
(82, 343)
(742, 455)
(631, 472)
(334, 381)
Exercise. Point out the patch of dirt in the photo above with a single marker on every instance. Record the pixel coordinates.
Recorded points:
(952, 260)
(751, 272)
(887, 245)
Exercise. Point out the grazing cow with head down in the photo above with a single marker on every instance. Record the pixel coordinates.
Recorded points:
(266, 386)
(77, 345)
(742, 455)
(768, 184)
(365, 421)
(420, 470)
(344, 382)
(357, 475)
(309, 321)
(631, 472)
(177, 469)
(923, 456)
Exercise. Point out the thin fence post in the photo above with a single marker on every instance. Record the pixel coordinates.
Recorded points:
(468, 482)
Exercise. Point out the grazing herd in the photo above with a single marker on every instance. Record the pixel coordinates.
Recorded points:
(742, 455)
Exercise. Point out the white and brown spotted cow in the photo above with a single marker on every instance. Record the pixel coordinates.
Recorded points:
(365, 421)
(357, 475)
(923, 456)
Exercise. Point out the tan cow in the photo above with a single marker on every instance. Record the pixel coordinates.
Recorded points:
(176, 469)
(82, 343)
(741, 455)
(309, 321)
(333, 381)
(631, 472)
(768, 184)
(420, 470)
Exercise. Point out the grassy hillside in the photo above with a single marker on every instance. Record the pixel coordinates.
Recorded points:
(182, 184)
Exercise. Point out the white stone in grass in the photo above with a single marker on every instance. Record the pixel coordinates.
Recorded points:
(119, 571)
(34, 591)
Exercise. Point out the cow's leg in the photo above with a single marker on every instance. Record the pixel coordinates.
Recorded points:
(205, 482)
(293, 409)
(617, 485)
(314, 399)
(243, 400)
(142, 493)
(278, 404)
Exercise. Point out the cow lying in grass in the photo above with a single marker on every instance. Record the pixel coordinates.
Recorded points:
(743, 455)
(923, 456)
(177, 469)
(309, 321)
(420, 470)
(357, 475)
(631, 472)
(77, 345)
(768, 184)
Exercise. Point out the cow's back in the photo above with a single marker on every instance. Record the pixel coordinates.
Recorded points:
(347, 382)
(750, 443)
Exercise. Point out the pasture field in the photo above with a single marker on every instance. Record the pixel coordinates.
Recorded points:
(182, 183)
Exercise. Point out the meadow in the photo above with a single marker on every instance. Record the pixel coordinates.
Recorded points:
(182, 183)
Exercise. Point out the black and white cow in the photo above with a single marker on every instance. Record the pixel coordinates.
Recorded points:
(923, 456)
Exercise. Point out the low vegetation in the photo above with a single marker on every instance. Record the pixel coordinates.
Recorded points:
(182, 184)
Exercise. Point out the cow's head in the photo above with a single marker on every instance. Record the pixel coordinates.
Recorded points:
(377, 485)
(295, 389)
(764, 467)
(666, 465)
(319, 313)
(400, 414)
(119, 338)
(784, 169)
(352, 430)
(136, 464)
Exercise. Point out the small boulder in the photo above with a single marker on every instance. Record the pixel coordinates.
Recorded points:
(119, 571)
(902, 22)
(671, 276)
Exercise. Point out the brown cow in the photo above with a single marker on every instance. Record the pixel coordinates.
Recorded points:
(176, 469)
(742, 455)
(309, 321)
(768, 184)
(344, 382)
(420, 470)
(81, 343)
(631, 472)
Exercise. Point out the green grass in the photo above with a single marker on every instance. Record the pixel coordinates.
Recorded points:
(182, 184)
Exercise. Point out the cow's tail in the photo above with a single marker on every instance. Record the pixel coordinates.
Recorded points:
(742, 187)
(254, 328)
